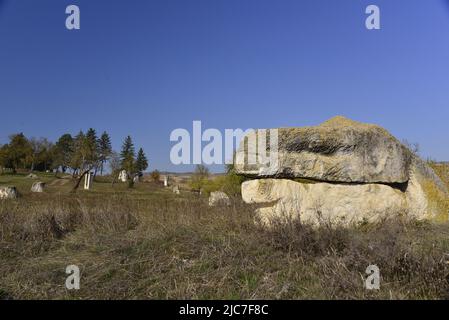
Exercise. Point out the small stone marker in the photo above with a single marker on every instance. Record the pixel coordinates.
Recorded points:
(219, 198)
(88, 180)
(123, 176)
(38, 187)
(8, 192)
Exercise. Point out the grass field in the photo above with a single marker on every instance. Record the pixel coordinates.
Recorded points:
(148, 243)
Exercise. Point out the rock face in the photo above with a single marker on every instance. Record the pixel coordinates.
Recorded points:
(8, 193)
(341, 172)
(338, 150)
(38, 187)
(219, 198)
(316, 203)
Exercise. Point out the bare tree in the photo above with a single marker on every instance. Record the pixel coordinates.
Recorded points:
(115, 165)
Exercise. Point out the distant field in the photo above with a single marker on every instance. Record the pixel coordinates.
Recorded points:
(148, 243)
(62, 185)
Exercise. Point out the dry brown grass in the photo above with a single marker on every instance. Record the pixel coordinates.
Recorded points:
(438, 201)
(131, 246)
(442, 170)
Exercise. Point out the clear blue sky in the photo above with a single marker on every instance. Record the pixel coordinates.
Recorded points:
(145, 68)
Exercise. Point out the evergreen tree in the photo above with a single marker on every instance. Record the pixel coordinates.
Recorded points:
(91, 146)
(127, 156)
(141, 162)
(105, 149)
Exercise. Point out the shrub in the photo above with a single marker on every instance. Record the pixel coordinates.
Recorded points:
(199, 178)
(155, 176)
(229, 183)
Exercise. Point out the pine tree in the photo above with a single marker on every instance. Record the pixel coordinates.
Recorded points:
(141, 162)
(105, 149)
(91, 145)
(127, 155)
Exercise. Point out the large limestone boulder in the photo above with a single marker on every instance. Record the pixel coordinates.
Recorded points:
(345, 204)
(336, 204)
(8, 193)
(315, 203)
(338, 150)
(343, 172)
(219, 198)
(38, 187)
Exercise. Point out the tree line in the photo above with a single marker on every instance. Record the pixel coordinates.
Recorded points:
(77, 154)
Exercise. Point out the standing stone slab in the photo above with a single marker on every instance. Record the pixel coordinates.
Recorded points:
(88, 180)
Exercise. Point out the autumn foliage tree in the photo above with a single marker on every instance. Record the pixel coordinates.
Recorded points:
(155, 175)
